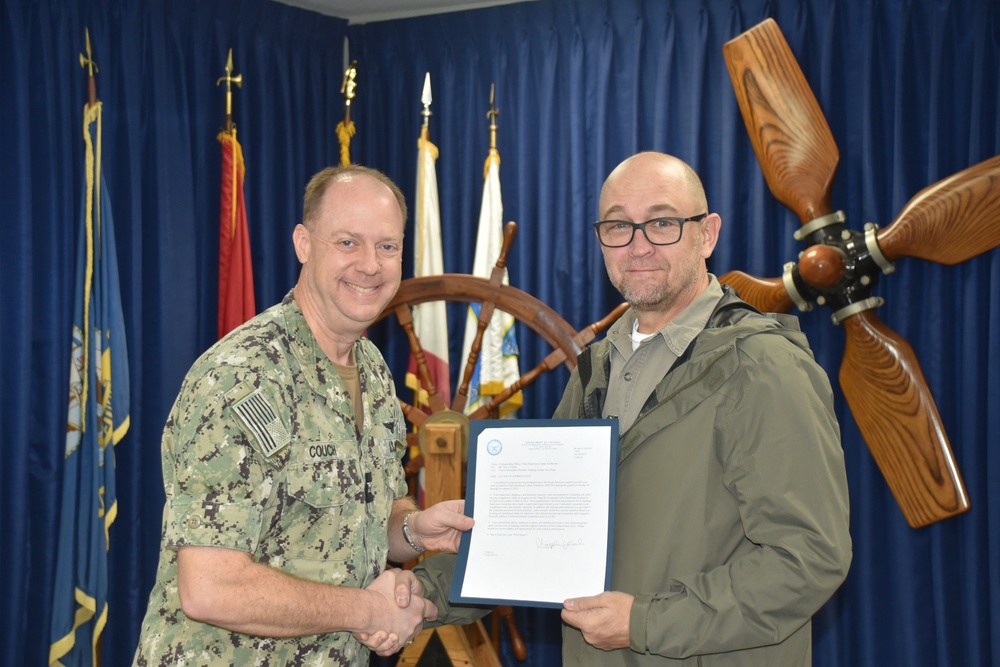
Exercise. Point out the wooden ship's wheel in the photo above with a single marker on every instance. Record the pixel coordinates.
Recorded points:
(442, 431)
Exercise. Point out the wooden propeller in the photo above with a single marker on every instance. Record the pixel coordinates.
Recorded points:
(787, 128)
(948, 222)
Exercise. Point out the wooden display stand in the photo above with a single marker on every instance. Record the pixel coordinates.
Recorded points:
(463, 645)
(443, 438)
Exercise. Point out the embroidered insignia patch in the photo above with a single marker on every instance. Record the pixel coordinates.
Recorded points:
(262, 423)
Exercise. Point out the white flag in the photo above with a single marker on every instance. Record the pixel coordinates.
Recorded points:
(497, 366)
(430, 320)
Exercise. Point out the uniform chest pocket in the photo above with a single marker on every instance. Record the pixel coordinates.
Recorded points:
(322, 515)
(332, 478)
(391, 477)
(388, 449)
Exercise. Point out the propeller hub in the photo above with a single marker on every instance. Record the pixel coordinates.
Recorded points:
(822, 265)
(837, 270)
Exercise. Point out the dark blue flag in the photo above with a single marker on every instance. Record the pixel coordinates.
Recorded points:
(98, 418)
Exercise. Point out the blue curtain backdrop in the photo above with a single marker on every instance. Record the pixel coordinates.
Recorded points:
(910, 90)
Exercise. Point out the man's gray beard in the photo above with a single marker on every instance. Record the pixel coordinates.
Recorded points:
(655, 297)
(662, 296)
(647, 299)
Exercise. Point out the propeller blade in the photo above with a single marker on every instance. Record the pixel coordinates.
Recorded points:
(767, 295)
(897, 416)
(787, 128)
(949, 221)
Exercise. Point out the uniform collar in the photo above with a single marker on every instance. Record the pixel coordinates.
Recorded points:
(315, 365)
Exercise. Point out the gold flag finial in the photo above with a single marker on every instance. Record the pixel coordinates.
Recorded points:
(345, 128)
(349, 85)
(492, 115)
(230, 80)
(88, 62)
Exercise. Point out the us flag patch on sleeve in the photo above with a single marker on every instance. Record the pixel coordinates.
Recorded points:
(261, 423)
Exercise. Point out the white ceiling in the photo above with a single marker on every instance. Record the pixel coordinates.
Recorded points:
(367, 11)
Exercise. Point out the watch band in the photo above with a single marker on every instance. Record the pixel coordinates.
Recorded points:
(406, 533)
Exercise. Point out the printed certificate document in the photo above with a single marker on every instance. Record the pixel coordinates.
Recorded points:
(542, 493)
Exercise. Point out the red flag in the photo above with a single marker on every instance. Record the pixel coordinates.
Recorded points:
(236, 303)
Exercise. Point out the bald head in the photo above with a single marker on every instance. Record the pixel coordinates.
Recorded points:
(658, 280)
(653, 167)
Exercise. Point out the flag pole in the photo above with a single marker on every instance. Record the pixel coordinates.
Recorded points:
(490, 345)
(97, 415)
(432, 321)
(230, 129)
(236, 299)
(345, 128)
(480, 314)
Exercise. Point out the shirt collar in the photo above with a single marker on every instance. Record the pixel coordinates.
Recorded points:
(680, 331)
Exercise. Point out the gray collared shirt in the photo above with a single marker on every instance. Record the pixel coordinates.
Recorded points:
(635, 374)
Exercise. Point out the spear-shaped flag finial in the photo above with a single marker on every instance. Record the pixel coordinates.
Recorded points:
(426, 99)
(88, 62)
(230, 80)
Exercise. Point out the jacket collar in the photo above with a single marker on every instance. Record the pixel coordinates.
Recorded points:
(708, 360)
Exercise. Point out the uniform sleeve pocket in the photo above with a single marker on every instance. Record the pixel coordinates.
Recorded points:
(208, 524)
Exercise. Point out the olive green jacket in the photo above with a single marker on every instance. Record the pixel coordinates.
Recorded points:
(731, 516)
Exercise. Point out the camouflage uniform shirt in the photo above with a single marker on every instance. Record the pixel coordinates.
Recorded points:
(261, 454)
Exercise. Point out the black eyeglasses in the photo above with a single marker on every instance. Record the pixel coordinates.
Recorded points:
(658, 231)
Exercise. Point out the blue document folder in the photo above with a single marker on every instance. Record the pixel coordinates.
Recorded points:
(545, 523)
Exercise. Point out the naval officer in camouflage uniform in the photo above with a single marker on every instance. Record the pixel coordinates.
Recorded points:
(285, 496)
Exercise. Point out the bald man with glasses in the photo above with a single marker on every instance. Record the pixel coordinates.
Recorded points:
(731, 517)
(731, 510)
